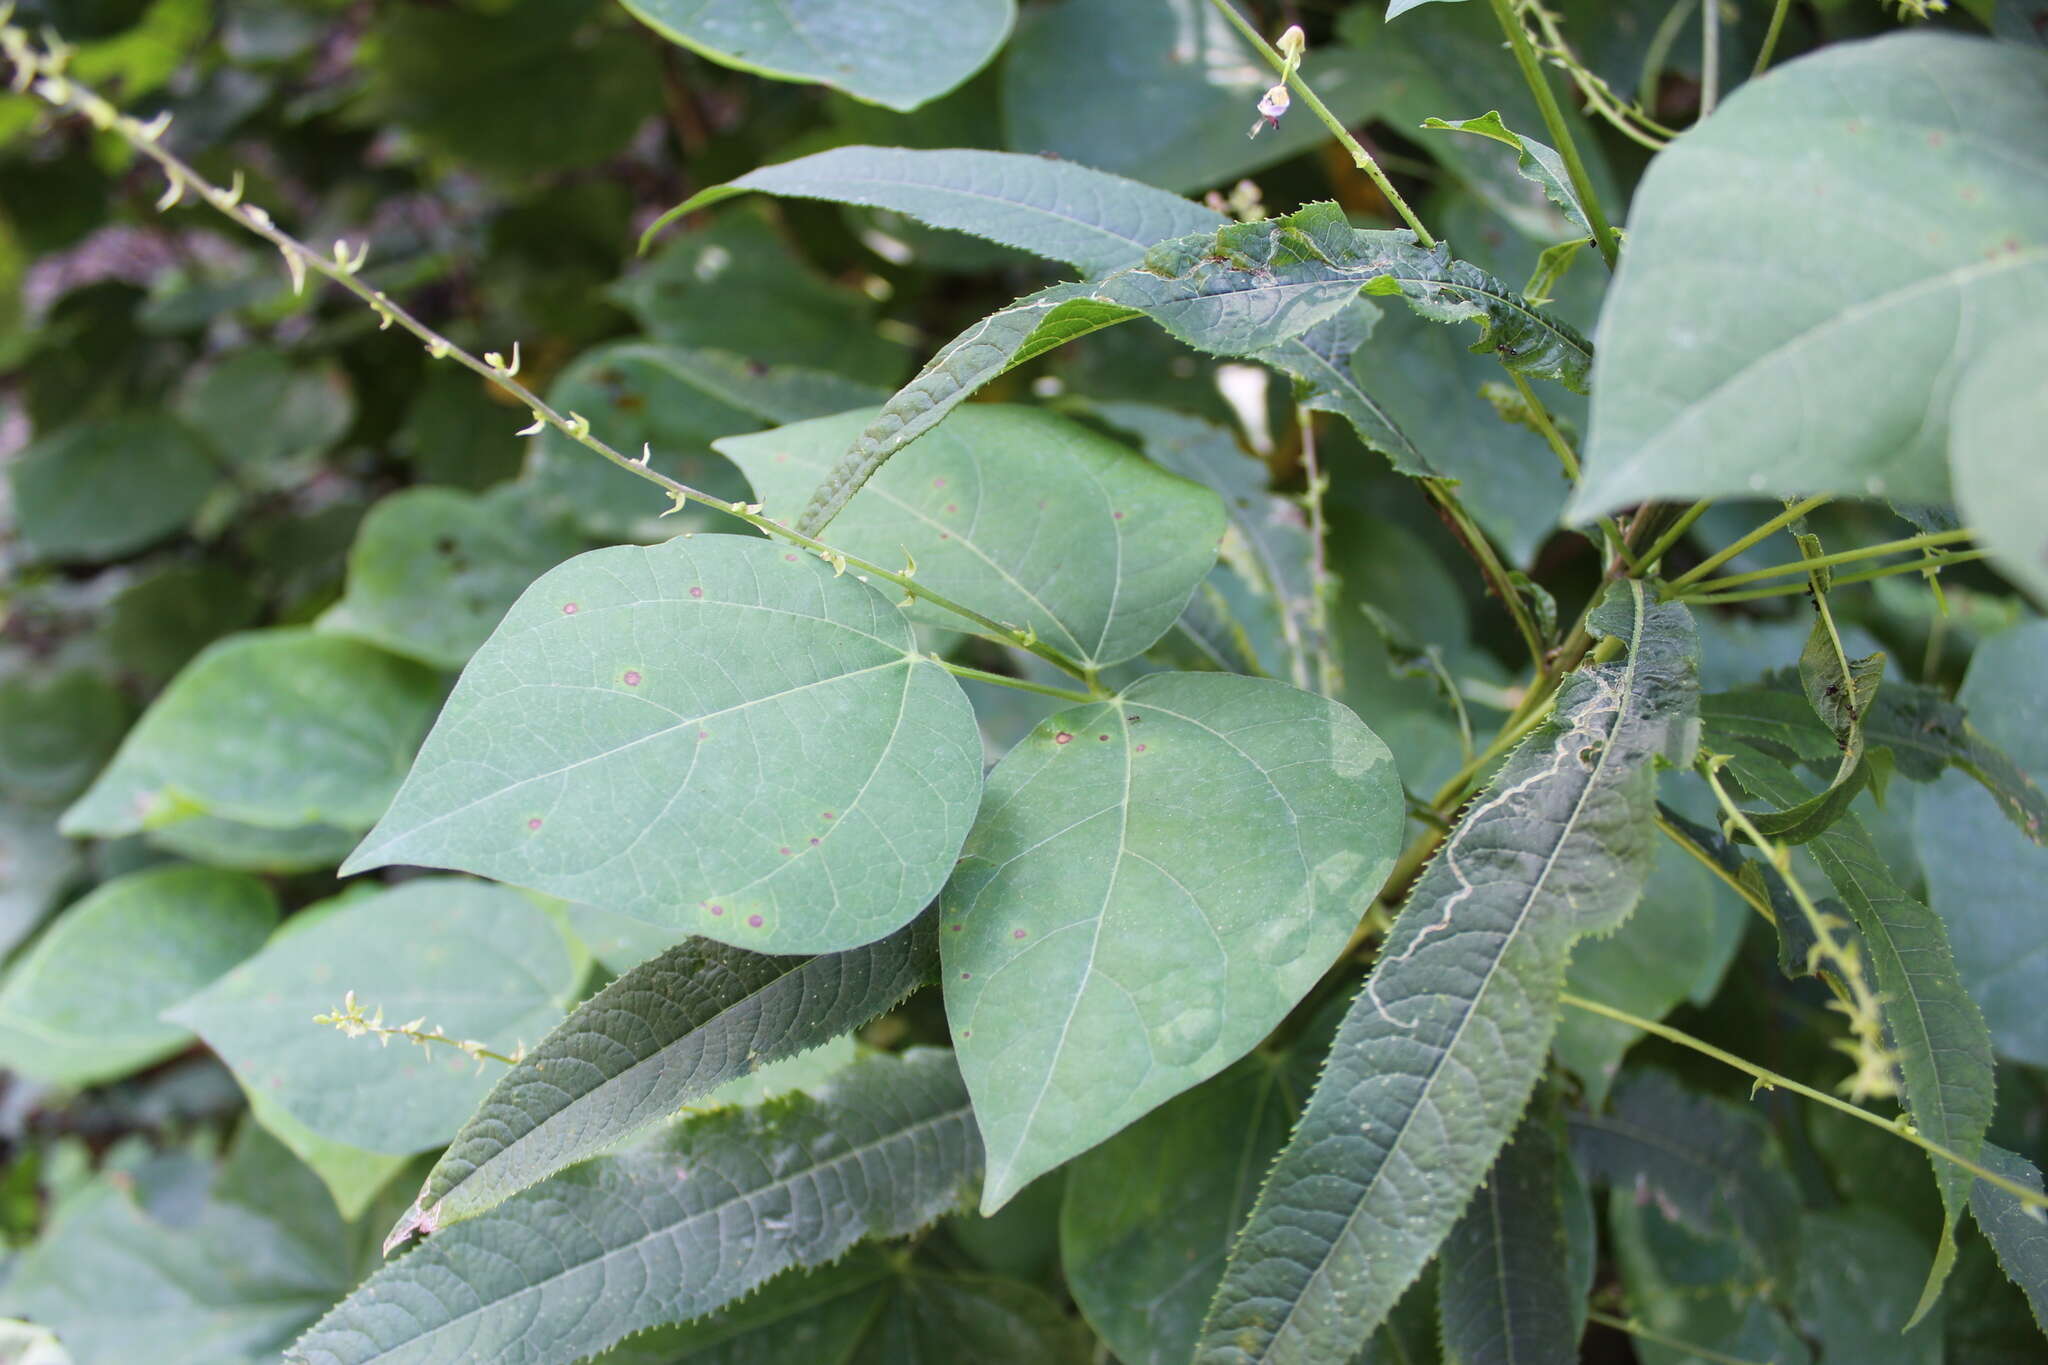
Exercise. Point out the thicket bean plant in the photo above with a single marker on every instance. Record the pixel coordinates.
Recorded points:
(1015, 681)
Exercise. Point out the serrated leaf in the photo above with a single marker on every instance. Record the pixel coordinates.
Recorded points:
(1926, 733)
(1030, 327)
(899, 53)
(1702, 1160)
(1839, 689)
(1506, 1295)
(353, 715)
(715, 734)
(1154, 881)
(432, 570)
(82, 1004)
(1943, 1047)
(2015, 1232)
(481, 962)
(1090, 219)
(671, 1030)
(98, 490)
(871, 1310)
(1697, 1290)
(1147, 1217)
(1325, 380)
(655, 1236)
(1034, 519)
(1841, 381)
(1538, 163)
(2000, 491)
(1434, 1062)
(1856, 1289)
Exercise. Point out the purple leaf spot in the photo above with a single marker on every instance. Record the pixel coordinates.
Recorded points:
(1017, 933)
(632, 677)
(717, 909)
(568, 608)
(1063, 738)
(696, 592)
(753, 921)
(534, 823)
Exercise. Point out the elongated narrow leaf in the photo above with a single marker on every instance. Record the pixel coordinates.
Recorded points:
(665, 1033)
(2018, 1236)
(1927, 734)
(1844, 380)
(1705, 1162)
(1319, 362)
(1090, 219)
(871, 1309)
(1433, 1064)
(1037, 520)
(1154, 881)
(716, 735)
(1031, 326)
(1538, 163)
(1507, 1295)
(1944, 1049)
(625, 1243)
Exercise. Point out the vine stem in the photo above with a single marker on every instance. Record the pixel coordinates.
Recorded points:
(1651, 1334)
(1481, 549)
(1566, 456)
(43, 72)
(1360, 157)
(1769, 1079)
(1654, 556)
(1926, 540)
(1560, 132)
(1322, 588)
(1763, 56)
(1019, 684)
(1930, 565)
(1763, 532)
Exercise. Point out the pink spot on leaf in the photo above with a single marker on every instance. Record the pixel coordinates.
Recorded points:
(753, 921)
(632, 677)
(696, 592)
(717, 909)
(1017, 933)
(1063, 738)
(534, 823)
(785, 850)
(568, 608)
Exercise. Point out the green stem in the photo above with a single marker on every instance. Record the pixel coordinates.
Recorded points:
(1710, 56)
(1925, 541)
(1495, 572)
(64, 93)
(1763, 57)
(1927, 565)
(1637, 1329)
(1359, 156)
(1773, 1080)
(1763, 532)
(1758, 903)
(1569, 459)
(1654, 556)
(1560, 132)
(1020, 684)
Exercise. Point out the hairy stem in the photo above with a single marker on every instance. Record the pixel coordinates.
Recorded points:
(1763, 532)
(1560, 132)
(43, 73)
(1481, 549)
(1360, 157)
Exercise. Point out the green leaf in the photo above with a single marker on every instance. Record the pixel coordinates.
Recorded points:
(158, 623)
(56, 730)
(353, 1176)
(1267, 543)
(1154, 881)
(1032, 518)
(870, 1310)
(1943, 1047)
(1733, 366)
(736, 287)
(82, 1005)
(1675, 948)
(1926, 734)
(1539, 164)
(1163, 92)
(1434, 1062)
(1703, 1161)
(1325, 380)
(433, 569)
(1856, 1288)
(229, 1284)
(899, 53)
(1030, 327)
(1148, 1215)
(1999, 412)
(99, 490)
(670, 1031)
(36, 864)
(344, 719)
(254, 848)
(1507, 1295)
(1983, 875)
(724, 1203)
(2015, 1232)
(714, 734)
(1056, 209)
(666, 400)
(305, 410)
(479, 961)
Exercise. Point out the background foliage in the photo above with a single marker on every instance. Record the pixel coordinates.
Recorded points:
(1354, 955)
